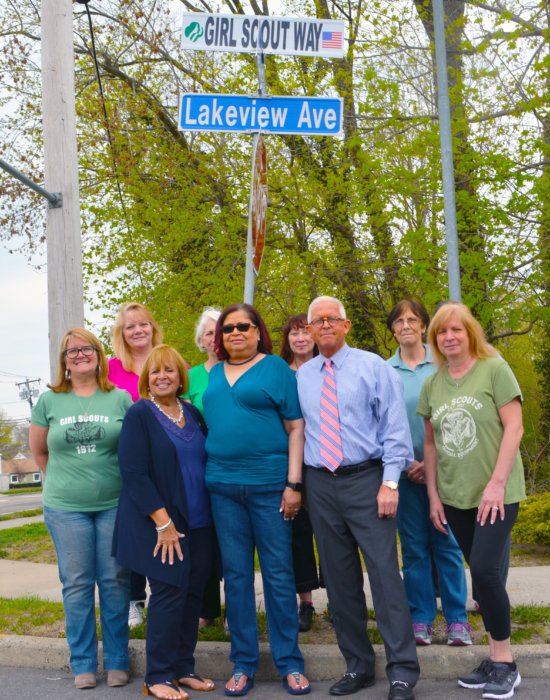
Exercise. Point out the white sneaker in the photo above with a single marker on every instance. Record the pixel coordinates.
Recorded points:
(135, 613)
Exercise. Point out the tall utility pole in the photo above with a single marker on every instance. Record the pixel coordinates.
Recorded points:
(65, 288)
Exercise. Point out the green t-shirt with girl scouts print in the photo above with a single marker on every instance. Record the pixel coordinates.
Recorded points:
(468, 431)
(82, 473)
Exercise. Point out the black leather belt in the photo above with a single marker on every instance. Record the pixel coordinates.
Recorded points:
(349, 468)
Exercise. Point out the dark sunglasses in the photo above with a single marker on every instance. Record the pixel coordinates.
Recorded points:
(241, 327)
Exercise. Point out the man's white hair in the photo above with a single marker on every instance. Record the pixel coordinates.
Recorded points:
(320, 300)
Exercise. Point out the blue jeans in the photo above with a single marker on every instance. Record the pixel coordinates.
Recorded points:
(83, 544)
(248, 517)
(419, 539)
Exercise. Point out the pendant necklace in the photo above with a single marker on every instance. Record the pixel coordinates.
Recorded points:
(244, 362)
(177, 420)
(85, 413)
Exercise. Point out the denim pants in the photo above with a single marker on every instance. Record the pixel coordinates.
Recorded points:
(419, 539)
(248, 517)
(173, 613)
(83, 544)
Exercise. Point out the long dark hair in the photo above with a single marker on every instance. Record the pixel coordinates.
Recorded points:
(293, 323)
(264, 345)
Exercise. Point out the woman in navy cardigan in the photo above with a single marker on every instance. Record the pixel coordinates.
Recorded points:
(164, 525)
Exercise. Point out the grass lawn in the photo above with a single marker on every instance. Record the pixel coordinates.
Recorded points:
(41, 618)
(22, 514)
(530, 624)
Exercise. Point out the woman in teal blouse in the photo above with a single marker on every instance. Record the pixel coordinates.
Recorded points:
(254, 474)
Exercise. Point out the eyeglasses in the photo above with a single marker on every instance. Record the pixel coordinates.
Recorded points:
(332, 321)
(241, 327)
(412, 321)
(85, 350)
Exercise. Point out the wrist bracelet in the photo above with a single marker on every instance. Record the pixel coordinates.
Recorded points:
(164, 527)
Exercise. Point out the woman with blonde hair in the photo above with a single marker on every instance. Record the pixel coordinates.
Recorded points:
(164, 527)
(135, 333)
(474, 474)
(74, 439)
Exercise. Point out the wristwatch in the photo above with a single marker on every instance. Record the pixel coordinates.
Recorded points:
(391, 485)
(294, 485)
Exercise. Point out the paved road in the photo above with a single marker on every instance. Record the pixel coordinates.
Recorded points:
(27, 501)
(49, 685)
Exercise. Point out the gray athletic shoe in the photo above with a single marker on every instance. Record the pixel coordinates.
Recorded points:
(502, 681)
(479, 677)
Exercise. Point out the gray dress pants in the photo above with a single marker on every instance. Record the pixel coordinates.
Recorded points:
(344, 515)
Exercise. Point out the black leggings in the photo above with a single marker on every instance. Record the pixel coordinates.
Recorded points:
(484, 548)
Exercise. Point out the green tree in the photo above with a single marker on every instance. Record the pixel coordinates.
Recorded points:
(9, 446)
(359, 216)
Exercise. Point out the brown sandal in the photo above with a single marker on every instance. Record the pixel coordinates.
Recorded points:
(196, 682)
(178, 694)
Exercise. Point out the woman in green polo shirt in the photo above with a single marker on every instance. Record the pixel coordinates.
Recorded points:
(74, 440)
(474, 474)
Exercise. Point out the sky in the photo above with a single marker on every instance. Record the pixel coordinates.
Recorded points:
(24, 330)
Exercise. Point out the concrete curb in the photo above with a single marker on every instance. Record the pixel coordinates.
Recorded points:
(323, 661)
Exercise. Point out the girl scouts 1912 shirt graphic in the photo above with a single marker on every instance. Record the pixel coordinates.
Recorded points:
(82, 473)
(468, 430)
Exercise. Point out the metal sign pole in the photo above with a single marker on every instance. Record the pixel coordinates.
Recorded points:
(249, 276)
(446, 138)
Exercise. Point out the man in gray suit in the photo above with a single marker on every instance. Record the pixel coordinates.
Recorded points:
(357, 445)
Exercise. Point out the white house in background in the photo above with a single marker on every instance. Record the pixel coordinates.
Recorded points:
(17, 471)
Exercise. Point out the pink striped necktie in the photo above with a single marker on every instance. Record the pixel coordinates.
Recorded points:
(330, 439)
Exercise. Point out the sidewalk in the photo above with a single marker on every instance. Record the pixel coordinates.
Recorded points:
(526, 586)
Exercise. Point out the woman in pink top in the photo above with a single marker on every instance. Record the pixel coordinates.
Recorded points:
(135, 333)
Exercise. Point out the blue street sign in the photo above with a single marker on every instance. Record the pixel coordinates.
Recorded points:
(313, 116)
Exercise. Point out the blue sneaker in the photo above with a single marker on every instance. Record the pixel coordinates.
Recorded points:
(422, 634)
(459, 634)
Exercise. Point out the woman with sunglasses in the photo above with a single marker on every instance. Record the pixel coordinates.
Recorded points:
(254, 474)
(74, 439)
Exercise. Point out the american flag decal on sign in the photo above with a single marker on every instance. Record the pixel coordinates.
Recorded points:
(331, 40)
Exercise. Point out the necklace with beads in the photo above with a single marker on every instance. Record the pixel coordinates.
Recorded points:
(244, 362)
(177, 420)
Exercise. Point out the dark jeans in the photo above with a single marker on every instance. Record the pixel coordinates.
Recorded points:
(137, 586)
(484, 548)
(211, 602)
(173, 615)
(303, 554)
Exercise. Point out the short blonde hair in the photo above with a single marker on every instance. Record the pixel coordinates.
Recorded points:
(479, 347)
(120, 346)
(162, 356)
(62, 384)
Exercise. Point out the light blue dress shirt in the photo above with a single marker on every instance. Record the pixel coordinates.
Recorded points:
(412, 383)
(373, 419)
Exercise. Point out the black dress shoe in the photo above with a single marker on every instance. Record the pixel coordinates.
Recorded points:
(305, 616)
(351, 683)
(400, 690)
